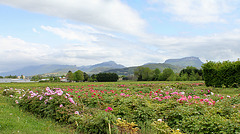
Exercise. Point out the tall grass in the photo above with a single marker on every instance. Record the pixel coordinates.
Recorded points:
(14, 120)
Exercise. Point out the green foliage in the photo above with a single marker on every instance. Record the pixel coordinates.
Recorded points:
(93, 78)
(125, 127)
(100, 122)
(189, 107)
(78, 76)
(36, 78)
(107, 77)
(166, 74)
(191, 74)
(86, 76)
(70, 76)
(54, 79)
(220, 74)
(143, 73)
(15, 120)
(157, 73)
(10, 76)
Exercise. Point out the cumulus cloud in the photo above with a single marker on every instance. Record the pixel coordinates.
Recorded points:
(198, 11)
(107, 14)
(16, 53)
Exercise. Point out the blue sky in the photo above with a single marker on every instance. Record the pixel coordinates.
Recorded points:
(129, 32)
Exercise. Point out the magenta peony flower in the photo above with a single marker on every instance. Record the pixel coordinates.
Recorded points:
(109, 108)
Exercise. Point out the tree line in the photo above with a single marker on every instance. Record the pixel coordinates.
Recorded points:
(188, 74)
(79, 76)
(10, 76)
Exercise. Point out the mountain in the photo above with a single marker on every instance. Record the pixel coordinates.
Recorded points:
(40, 69)
(59, 70)
(184, 62)
(100, 67)
(130, 70)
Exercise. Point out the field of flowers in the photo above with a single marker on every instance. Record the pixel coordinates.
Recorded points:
(136, 107)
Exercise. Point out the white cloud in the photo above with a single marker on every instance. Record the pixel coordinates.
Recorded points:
(35, 30)
(107, 14)
(66, 33)
(216, 47)
(16, 53)
(198, 11)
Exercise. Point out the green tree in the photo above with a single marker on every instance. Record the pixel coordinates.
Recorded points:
(192, 72)
(10, 76)
(70, 76)
(86, 76)
(143, 73)
(184, 77)
(36, 78)
(139, 73)
(167, 72)
(78, 76)
(93, 78)
(156, 75)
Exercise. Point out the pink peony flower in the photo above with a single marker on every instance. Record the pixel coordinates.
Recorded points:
(76, 112)
(189, 97)
(59, 92)
(71, 100)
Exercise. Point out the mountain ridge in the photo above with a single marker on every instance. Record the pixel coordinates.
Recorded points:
(109, 66)
(186, 61)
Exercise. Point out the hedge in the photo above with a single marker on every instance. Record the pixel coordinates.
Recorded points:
(222, 74)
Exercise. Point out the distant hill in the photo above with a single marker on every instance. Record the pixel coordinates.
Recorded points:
(130, 70)
(176, 64)
(184, 62)
(58, 70)
(100, 67)
(40, 69)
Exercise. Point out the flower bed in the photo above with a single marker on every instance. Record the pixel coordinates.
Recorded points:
(135, 108)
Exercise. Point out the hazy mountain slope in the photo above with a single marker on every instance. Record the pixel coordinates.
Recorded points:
(62, 69)
(184, 62)
(101, 67)
(40, 69)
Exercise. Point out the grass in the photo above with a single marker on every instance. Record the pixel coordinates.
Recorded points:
(14, 120)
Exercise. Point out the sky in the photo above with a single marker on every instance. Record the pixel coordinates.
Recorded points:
(129, 32)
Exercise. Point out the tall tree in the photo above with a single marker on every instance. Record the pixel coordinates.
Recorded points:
(143, 73)
(167, 72)
(78, 75)
(70, 76)
(86, 76)
(156, 74)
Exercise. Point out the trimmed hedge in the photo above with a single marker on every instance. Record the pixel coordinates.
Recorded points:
(107, 77)
(221, 74)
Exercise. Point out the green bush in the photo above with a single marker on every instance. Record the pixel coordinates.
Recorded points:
(221, 74)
